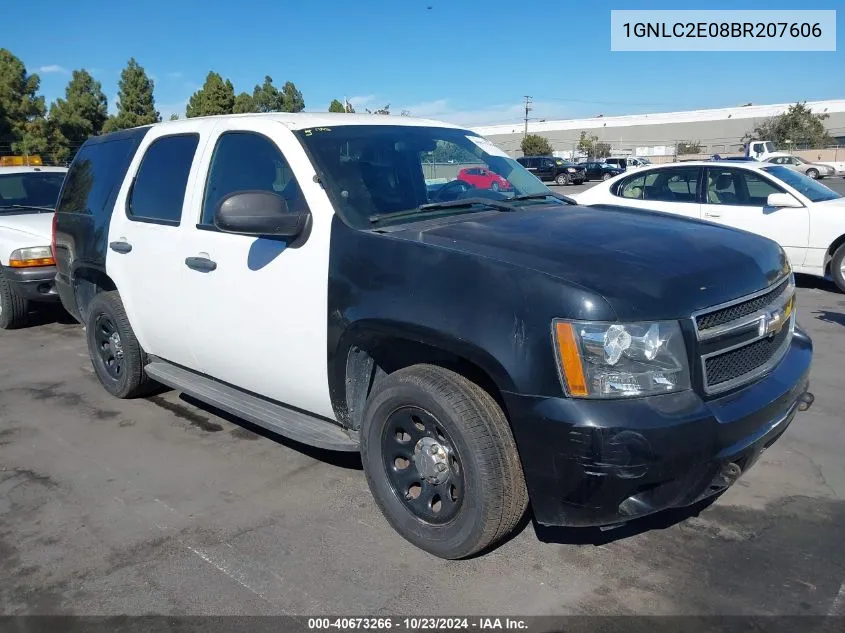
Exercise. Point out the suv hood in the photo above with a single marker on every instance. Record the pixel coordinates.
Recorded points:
(646, 265)
(38, 225)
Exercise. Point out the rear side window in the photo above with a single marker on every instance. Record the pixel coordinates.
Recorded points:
(96, 175)
(159, 188)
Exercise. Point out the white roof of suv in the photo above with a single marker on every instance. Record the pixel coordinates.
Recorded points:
(303, 120)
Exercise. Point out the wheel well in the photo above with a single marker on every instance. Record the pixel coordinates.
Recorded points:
(839, 241)
(88, 282)
(369, 363)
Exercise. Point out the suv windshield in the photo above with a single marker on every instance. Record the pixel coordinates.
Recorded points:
(30, 190)
(375, 171)
(805, 185)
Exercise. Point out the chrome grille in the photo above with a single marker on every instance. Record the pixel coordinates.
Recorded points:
(743, 360)
(763, 324)
(739, 310)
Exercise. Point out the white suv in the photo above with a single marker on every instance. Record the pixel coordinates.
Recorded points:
(27, 270)
(802, 215)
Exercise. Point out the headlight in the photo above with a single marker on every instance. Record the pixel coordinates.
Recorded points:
(619, 360)
(32, 256)
(571, 170)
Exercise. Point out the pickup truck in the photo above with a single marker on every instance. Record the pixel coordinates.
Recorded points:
(27, 199)
(479, 348)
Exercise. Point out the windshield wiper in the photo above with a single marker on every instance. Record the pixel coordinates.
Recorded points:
(436, 206)
(540, 196)
(25, 206)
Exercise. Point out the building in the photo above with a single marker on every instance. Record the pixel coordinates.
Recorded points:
(717, 131)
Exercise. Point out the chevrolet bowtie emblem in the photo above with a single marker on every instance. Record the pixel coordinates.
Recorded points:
(772, 322)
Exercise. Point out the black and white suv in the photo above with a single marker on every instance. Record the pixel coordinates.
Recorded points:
(479, 348)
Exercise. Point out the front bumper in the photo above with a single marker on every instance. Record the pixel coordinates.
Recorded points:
(34, 284)
(602, 462)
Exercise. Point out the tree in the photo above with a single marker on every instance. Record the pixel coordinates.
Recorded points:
(384, 110)
(592, 147)
(243, 104)
(268, 98)
(688, 147)
(535, 145)
(135, 101)
(217, 96)
(23, 128)
(798, 126)
(82, 113)
(336, 106)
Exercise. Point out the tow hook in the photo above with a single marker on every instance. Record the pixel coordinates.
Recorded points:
(805, 401)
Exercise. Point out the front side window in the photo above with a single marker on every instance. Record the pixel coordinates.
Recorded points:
(30, 191)
(246, 161)
(158, 192)
(373, 172)
(739, 187)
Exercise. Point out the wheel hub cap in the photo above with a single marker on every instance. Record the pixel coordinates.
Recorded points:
(431, 460)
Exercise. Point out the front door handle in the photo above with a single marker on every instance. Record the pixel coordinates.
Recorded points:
(122, 246)
(712, 215)
(201, 264)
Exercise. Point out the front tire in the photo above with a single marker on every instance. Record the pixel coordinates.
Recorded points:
(14, 309)
(606, 176)
(115, 352)
(441, 461)
(494, 186)
(562, 179)
(813, 173)
(837, 268)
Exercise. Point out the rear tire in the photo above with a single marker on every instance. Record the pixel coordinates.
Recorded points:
(494, 186)
(115, 352)
(14, 309)
(813, 173)
(441, 461)
(837, 268)
(562, 179)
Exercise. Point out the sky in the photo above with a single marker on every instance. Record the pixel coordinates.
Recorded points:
(465, 61)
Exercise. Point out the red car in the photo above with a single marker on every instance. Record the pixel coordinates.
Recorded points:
(483, 178)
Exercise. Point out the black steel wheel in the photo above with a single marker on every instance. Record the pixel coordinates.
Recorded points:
(441, 461)
(116, 355)
(422, 465)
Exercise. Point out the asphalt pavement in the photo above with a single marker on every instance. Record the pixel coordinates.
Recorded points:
(160, 505)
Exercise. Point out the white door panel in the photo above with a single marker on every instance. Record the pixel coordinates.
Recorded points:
(149, 274)
(260, 317)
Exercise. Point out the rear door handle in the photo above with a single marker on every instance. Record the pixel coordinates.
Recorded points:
(121, 246)
(201, 264)
(712, 215)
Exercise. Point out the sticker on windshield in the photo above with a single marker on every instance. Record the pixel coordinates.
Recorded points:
(487, 146)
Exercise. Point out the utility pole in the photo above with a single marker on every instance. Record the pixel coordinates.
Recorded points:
(527, 110)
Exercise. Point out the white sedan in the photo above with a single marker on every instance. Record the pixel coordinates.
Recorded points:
(802, 215)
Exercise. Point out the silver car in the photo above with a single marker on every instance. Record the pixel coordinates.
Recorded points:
(813, 170)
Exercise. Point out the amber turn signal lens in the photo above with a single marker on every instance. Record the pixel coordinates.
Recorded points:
(31, 263)
(570, 359)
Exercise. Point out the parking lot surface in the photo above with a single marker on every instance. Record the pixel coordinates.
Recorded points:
(159, 505)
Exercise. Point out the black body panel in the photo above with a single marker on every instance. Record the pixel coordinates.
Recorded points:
(85, 207)
(35, 284)
(487, 285)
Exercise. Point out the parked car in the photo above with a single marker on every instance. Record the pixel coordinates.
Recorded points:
(27, 200)
(483, 178)
(627, 162)
(595, 170)
(815, 171)
(806, 218)
(479, 349)
(550, 168)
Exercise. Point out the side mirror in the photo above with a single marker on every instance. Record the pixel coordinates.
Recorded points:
(259, 213)
(783, 200)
